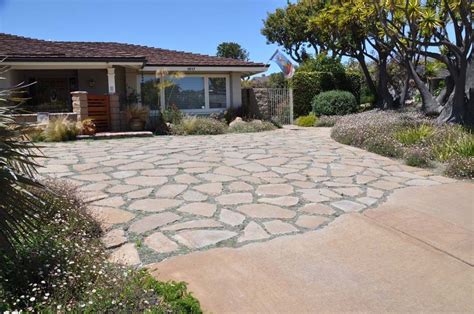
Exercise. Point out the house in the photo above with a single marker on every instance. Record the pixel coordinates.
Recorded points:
(99, 79)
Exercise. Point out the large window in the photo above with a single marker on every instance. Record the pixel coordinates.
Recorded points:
(217, 92)
(186, 93)
(150, 93)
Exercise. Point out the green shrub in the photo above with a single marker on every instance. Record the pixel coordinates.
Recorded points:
(417, 157)
(460, 167)
(252, 126)
(334, 102)
(306, 121)
(173, 115)
(199, 126)
(305, 86)
(414, 135)
(64, 268)
(60, 130)
(326, 121)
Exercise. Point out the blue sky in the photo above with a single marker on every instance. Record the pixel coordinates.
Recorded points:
(188, 25)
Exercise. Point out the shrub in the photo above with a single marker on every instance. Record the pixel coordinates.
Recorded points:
(417, 157)
(61, 129)
(252, 126)
(64, 268)
(306, 85)
(87, 127)
(326, 121)
(306, 121)
(334, 102)
(173, 115)
(414, 135)
(461, 167)
(199, 126)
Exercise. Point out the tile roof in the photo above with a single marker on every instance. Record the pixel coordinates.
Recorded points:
(17, 48)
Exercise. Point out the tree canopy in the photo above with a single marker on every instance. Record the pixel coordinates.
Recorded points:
(232, 50)
(397, 36)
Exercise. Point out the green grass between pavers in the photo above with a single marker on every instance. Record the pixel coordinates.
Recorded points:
(419, 141)
(64, 268)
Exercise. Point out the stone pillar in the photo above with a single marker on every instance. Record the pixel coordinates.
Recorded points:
(79, 105)
(114, 112)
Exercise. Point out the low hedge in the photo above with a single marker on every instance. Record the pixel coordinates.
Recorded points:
(334, 102)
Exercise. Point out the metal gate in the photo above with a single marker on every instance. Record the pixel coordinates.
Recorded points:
(98, 107)
(280, 104)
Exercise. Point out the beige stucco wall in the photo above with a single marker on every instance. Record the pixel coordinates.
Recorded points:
(235, 90)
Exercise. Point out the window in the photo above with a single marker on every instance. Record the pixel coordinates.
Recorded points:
(217, 92)
(150, 93)
(186, 93)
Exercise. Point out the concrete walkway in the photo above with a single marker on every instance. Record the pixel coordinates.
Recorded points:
(412, 254)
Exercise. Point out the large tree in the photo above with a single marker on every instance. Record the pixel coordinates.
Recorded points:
(441, 30)
(351, 28)
(287, 27)
(232, 50)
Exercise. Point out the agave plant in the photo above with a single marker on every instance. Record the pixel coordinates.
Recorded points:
(20, 203)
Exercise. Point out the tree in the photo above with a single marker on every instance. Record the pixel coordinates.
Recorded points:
(423, 28)
(351, 28)
(287, 27)
(232, 50)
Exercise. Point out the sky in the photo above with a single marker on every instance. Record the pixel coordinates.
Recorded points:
(188, 25)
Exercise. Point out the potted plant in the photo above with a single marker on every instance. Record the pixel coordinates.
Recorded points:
(137, 117)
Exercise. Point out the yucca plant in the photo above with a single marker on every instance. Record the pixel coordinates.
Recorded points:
(20, 203)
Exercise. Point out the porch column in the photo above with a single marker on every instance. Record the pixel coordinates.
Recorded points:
(79, 105)
(111, 80)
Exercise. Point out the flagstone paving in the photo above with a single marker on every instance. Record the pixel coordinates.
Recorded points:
(164, 196)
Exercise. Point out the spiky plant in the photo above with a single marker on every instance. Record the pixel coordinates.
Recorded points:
(20, 203)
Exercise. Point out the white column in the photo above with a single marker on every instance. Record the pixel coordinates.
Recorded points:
(111, 80)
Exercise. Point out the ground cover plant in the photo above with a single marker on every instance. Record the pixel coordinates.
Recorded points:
(420, 141)
(63, 267)
(306, 121)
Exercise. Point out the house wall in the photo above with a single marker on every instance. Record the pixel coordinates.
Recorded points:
(235, 90)
(99, 76)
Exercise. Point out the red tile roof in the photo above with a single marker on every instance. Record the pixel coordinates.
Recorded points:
(17, 48)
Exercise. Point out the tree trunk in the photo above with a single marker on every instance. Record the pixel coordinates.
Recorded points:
(429, 104)
(443, 97)
(459, 107)
(368, 77)
(384, 97)
(404, 92)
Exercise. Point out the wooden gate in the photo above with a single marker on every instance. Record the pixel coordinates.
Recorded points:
(98, 107)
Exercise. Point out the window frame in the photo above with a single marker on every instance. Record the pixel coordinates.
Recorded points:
(206, 108)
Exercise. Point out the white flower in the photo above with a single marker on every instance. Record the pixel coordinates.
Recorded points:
(59, 306)
(32, 299)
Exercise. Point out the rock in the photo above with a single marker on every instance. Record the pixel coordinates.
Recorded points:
(114, 238)
(236, 121)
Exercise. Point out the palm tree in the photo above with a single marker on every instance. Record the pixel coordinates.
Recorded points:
(20, 193)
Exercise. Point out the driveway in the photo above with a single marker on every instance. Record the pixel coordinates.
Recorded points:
(280, 221)
(166, 196)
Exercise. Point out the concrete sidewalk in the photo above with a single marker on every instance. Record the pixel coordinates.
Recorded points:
(414, 253)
